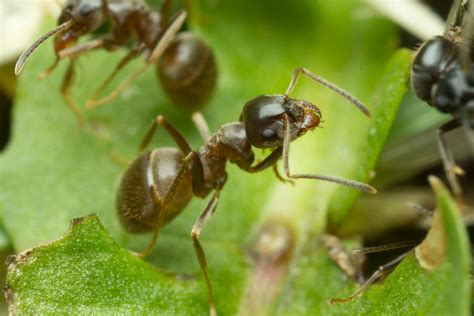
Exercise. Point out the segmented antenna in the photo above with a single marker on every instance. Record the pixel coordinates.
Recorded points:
(329, 85)
(382, 248)
(24, 56)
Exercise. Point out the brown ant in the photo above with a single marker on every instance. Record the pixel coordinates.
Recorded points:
(160, 183)
(186, 65)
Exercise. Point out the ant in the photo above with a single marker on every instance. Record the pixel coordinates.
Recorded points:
(186, 66)
(160, 183)
(442, 74)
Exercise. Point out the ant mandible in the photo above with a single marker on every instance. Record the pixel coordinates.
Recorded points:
(185, 64)
(160, 183)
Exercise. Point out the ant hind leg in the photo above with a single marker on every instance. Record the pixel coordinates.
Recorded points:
(198, 226)
(449, 164)
(163, 202)
(380, 272)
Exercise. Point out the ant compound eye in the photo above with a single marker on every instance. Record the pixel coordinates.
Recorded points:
(269, 134)
(86, 9)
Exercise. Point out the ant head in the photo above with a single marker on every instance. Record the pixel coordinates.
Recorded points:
(87, 16)
(264, 119)
(233, 142)
(77, 18)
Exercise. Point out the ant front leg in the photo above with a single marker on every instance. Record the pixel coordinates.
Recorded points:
(65, 92)
(72, 52)
(49, 70)
(450, 166)
(198, 226)
(349, 183)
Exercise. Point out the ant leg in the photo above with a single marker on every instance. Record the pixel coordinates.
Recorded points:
(198, 226)
(49, 70)
(201, 125)
(162, 203)
(269, 161)
(157, 52)
(81, 48)
(381, 271)
(175, 134)
(349, 183)
(327, 84)
(469, 130)
(69, 52)
(136, 51)
(65, 92)
(450, 166)
(279, 176)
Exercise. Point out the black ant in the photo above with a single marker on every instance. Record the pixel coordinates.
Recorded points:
(185, 64)
(443, 75)
(160, 183)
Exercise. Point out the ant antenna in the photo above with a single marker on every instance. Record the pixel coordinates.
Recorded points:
(388, 247)
(327, 84)
(26, 54)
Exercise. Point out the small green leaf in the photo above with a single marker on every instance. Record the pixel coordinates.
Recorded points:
(385, 103)
(409, 290)
(444, 289)
(86, 272)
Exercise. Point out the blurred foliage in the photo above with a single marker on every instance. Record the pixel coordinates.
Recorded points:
(54, 171)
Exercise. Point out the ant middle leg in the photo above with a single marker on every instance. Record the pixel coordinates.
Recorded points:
(349, 183)
(201, 125)
(66, 93)
(134, 52)
(198, 226)
(154, 56)
(449, 164)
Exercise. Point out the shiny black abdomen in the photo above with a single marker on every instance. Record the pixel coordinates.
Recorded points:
(437, 76)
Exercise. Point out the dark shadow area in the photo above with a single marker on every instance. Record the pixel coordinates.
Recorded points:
(7, 95)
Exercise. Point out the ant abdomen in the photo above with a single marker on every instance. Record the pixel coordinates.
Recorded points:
(188, 71)
(139, 209)
(434, 59)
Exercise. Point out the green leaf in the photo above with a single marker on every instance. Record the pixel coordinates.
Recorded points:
(385, 104)
(53, 171)
(409, 290)
(86, 272)
(416, 290)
